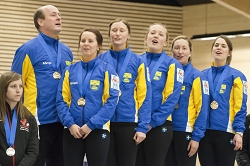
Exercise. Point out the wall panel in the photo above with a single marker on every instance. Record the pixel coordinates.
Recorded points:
(16, 22)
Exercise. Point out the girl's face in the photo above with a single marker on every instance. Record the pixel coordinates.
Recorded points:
(220, 51)
(119, 34)
(156, 38)
(181, 51)
(14, 92)
(89, 45)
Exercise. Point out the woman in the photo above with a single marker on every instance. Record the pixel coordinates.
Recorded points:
(226, 117)
(18, 127)
(190, 114)
(129, 124)
(86, 100)
(166, 75)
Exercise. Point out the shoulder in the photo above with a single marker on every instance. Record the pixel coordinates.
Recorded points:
(29, 45)
(65, 46)
(103, 55)
(198, 73)
(205, 70)
(236, 72)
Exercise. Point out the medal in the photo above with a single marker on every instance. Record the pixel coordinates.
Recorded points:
(214, 105)
(10, 151)
(176, 106)
(81, 101)
(56, 75)
(120, 93)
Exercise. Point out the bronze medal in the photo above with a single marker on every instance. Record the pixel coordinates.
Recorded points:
(214, 105)
(81, 101)
(56, 75)
(176, 106)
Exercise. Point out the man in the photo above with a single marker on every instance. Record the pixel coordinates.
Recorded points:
(41, 61)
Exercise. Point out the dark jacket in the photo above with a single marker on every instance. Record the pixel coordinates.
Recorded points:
(243, 156)
(26, 143)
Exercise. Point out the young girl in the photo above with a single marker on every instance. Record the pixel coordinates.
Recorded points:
(129, 124)
(18, 127)
(227, 113)
(190, 115)
(166, 75)
(86, 100)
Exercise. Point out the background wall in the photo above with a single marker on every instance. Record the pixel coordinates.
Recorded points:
(16, 22)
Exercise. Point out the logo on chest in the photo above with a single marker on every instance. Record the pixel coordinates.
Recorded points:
(223, 88)
(94, 84)
(24, 125)
(127, 77)
(157, 75)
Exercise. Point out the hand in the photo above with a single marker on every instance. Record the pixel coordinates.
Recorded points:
(85, 130)
(139, 137)
(192, 147)
(237, 142)
(74, 130)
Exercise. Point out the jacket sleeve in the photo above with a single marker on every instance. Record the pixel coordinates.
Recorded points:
(32, 148)
(22, 64)
(109, 99)
(63, 100)
(242, 156)
(200, 93)
(171, 94)
(240, 103)
(143, 98)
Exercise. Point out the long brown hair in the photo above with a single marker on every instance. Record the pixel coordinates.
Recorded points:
(5, 79)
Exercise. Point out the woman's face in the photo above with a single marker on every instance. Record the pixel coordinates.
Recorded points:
(156, 38)
(119, 34)
(14, 92)
(181, 51)
(220, 51)
(89, 45)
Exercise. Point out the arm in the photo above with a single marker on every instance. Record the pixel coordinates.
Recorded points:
(171, 94)
(239, 109)
(22, 64)
(200, 93)
(143, 98)
(200, 97)
(109, 100)
(240, 106)
(63, 100)
(31, 151)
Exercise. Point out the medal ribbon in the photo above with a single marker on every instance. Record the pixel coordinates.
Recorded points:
(214, 92)
(83, 84)
(59, 53)
(10, 128)
(157, 65)
(124, 65)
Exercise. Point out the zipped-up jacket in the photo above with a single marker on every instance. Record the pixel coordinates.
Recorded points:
(166, 86)
(101, 95)
(135, 100)
(232, 98)
(190, 114)
(35, 66)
